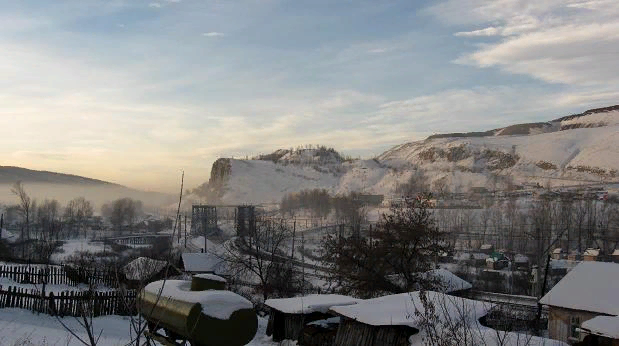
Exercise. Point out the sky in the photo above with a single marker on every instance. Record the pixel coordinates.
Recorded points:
(134, 91)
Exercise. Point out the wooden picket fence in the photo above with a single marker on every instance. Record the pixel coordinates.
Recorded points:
(57, 275)
(70, 303)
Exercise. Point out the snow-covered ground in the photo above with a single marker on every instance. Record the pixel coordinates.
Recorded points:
(74, 246)
(22, 327)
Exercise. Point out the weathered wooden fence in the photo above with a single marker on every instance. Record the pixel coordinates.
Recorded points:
(70, 303)
(57, 275)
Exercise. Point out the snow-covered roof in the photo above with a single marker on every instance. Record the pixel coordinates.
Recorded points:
(211, 277)
(616, 252)
(311, 303)
(590, 286)
(563, 264)
(215, 303)
(202, 262)
(449, 281)
(521, 258)
(143, 268)
(606, 326)
(399, 309)
(557, 251)
(479, 256)
(462, 256)
(592, 252)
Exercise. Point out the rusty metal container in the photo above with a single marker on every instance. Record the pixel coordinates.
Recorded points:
(178, 309)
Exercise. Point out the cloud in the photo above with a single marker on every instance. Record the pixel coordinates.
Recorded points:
(213, 34)
(377, 50)
(154, 5)
(570, 42)
(489, 31)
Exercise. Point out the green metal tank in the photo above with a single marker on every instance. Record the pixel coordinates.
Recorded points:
(204, 317)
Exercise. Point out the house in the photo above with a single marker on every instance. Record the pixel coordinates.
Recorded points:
(589, 290)
(601, 330)
(591, 255)
(289, 316)
(615, 256)
(202, 263)
(557, 253)
(412, 318)
(521, 262)
(486, 248)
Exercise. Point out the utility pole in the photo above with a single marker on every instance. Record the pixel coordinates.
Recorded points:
(185, 230)
(303, 261)
(294, 232)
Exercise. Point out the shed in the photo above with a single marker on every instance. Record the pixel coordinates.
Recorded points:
(486, 248)
(557, 253)
(202, 263)
(615, 256)
(144, 270)
(602, 330)
(591, 255)
(521, 262)
(399, 320)
(587, 291)
(289, 315)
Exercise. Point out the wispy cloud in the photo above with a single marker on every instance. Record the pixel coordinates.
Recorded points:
(543, 39)
(213, 34)
(154, 5)
(489, 31)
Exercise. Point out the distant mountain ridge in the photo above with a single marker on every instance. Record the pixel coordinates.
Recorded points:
(64, 187)
(11, 174)
(590, 118)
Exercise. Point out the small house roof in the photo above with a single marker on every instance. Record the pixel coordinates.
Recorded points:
(519, 258)
(590, 286)
(616, 252)
(606, 326)
(592, 252)
(557, 251)
(311, 303)
(400, 309)
(449, 281)
(143, 268)
(198, 262)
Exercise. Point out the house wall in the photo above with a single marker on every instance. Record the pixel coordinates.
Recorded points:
(559, 323)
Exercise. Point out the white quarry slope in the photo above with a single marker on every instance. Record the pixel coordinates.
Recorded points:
(573, 150)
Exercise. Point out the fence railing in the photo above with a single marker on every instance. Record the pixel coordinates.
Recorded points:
(70, 303)
(57, 275)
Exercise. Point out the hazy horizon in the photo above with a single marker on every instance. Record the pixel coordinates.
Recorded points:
(132, 92)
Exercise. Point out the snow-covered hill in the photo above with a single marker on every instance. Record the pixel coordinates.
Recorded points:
(569, 150)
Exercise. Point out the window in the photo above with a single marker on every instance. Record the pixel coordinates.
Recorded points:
(574, 325)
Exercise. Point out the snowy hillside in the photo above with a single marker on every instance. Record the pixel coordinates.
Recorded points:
(569, 150)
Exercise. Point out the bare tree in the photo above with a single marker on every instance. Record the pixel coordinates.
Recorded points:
(260, 255)
(77, 212)
(122, 212)
(25, 207)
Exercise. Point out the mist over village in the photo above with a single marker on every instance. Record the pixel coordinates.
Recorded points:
(208, 173)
